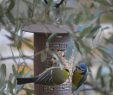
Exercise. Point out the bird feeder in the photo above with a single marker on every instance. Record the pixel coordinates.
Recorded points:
(61, 41)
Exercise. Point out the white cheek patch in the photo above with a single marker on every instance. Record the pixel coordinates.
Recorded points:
(78, 70)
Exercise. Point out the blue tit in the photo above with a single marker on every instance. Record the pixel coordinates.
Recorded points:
(79, 76)
(51, 76)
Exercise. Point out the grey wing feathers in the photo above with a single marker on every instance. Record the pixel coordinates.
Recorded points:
(45, 78)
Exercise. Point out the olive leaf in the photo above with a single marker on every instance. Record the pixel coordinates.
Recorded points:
(2, 72)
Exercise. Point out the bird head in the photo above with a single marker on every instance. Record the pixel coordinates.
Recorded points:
(82, 68)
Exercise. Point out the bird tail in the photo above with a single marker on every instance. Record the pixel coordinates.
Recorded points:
(25, 80)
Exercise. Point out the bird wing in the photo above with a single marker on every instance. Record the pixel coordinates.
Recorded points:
(45, 78)
(76, 78)
(81, 81)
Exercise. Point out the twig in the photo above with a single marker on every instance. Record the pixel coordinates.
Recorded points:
(16, 57)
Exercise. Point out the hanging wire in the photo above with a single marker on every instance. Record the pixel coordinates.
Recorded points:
(57, 5)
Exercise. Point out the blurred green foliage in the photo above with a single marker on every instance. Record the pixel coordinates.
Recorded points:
(8, 86)
(14, 14)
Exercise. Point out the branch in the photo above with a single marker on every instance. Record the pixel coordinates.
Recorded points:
(16, 57)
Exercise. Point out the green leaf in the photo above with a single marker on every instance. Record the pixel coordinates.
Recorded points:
(111, 82)
(1, 15)
(2, 76)
(43, 56)
(98, 72)
(85, 32)
(10, 86)
(27, 39)
(78, 18)
(10, 17)
(14, 70)
(19, 88)
(18, 44)
(102, 81)
(2, 72)
(51, 37)
(9, 37)
(27, 43)
(93, 31)
(11, 5)
(86, 49)
(104, 2)
(9, 14)
(107, 17)
(28, 93)
(77, 45)
(69, 51)
(30, 11)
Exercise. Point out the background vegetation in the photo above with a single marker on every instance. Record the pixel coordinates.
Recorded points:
(88, 15)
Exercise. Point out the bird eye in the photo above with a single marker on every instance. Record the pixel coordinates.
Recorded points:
(77, 67)
(80, 70)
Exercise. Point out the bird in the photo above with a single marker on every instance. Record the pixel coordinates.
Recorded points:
(50, 76)
(79, 76)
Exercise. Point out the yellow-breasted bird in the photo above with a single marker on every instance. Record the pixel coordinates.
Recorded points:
(51, 76)
(79, 76)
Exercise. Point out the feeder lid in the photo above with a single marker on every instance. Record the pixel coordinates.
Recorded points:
(46, 28)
